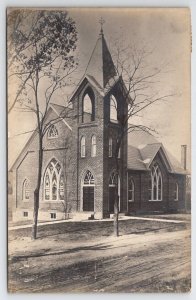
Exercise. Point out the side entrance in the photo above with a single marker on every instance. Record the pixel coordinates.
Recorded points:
(88, 191)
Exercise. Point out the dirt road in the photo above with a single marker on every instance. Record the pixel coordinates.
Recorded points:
(148, 262)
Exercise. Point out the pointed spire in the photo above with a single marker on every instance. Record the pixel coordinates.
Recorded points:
(100, 65)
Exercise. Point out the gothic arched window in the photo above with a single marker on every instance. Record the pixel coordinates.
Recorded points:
(25, 190)
(131, 189)
(93, 146)
(113, 109)
(110, 147)
(54, 181)
(176, 192)
(88, 109)
(83, 146)
(155, 184)
(52, 132)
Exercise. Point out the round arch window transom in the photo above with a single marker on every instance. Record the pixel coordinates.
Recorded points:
(113, 179)
(88, 178)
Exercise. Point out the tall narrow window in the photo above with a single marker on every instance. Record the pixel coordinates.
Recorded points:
(176, 192)
(93, 146)
(155, 184)
(119, 150)
(130, 189)
(52, 132)
(25, 190)
(88, 109)
(54, 186)
(61, 187)
(47, 186)
(83, 146)
(110, 147)
(113, 109)
(54, 181)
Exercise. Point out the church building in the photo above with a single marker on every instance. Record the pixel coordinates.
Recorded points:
(79, 166)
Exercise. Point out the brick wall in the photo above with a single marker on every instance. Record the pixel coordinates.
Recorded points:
(63, 150)
(141, 181)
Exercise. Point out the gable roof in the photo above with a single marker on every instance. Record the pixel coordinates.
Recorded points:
(59, 111)
(142, 150)
(134, 159)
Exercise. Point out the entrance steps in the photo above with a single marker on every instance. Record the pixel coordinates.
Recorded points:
(79, 216)
(119, 215)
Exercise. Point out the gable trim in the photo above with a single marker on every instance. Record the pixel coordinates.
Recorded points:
(164, 157)
(60, 117)
(98, 89)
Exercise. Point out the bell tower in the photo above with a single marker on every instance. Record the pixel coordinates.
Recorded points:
(100, 106)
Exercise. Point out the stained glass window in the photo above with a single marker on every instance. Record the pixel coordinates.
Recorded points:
(155, 184)
(54, 181)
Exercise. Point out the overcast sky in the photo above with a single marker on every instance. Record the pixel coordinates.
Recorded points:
(167, 32)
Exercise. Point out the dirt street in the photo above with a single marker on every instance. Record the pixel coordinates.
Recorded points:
(144, 261)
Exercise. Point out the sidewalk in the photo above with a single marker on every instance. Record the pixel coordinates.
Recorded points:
(122, 218)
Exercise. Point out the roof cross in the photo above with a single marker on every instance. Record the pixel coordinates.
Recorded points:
(101, 22)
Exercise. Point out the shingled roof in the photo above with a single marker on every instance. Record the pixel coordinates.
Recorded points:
(143, 148)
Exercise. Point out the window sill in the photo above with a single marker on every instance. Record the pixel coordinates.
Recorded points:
(53, 201)
(52, 138)
(176, 200)
(130, 200)
(155, 200)
(87, 124)
(114, 122)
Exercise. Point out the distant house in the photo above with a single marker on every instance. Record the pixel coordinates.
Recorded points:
(78, 162)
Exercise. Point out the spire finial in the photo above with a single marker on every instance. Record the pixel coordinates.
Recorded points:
(101, 22)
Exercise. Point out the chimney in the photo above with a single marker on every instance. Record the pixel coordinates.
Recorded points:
(183, 156)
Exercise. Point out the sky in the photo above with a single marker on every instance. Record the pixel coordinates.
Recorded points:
(167, 32)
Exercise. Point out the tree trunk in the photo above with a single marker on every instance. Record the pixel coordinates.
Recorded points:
(35, 214)
(116, 229)
(116, 201)
(36, 193)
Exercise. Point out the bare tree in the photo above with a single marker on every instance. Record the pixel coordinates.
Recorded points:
(40, 54)
(69, 174)
(139, 87)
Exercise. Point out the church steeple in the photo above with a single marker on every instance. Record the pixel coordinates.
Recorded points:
(100, 65)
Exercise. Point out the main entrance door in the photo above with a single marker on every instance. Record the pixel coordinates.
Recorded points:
(111, 198)
(88, 186)
(88, 198)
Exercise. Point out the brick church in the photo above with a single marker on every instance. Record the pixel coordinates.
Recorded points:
(79, 175)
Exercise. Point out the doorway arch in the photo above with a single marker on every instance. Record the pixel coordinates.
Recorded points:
(88, 191)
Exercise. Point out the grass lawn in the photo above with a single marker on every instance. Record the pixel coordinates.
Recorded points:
(148, 256)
